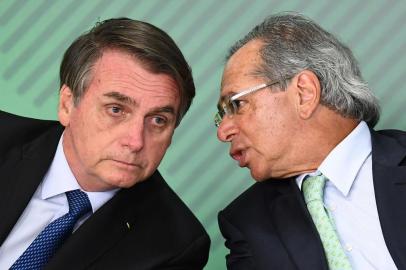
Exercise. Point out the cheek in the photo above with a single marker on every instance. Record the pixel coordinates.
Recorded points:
(162, 145)
(86, 146)
(90, 138)
(156, 148)
(265, 133)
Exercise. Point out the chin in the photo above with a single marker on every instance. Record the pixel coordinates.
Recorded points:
(258, 177)
(123, 181)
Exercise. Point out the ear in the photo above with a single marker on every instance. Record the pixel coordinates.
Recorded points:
(66, 105)
(308, 93)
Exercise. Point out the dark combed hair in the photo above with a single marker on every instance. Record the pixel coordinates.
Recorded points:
(147, 43)
(293, 43)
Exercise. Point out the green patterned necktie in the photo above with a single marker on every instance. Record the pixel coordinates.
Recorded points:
(313, 189)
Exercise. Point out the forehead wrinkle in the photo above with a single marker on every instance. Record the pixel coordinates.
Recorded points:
(153, 82)
(251, 73)
(164, 81)
(139, 77)
(147, 84)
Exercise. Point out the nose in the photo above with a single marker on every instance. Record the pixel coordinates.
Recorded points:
(134, 136)
(227, 129)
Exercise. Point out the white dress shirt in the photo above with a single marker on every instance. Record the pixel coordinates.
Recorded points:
(349, 197)
(48, 203)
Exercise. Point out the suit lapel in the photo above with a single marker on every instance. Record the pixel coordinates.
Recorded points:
(107, 226)
(295, 227)
(97, 235)
(21, 173)
(390, 192)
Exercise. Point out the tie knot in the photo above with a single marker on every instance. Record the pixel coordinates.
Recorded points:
(79, 203)
(313, 188)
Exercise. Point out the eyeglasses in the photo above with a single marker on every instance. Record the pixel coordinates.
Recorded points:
(230, 105)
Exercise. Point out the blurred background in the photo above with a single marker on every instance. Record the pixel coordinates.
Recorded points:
(35, 34)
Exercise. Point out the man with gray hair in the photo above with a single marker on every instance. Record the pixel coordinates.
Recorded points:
(330, 191)
(85, 192)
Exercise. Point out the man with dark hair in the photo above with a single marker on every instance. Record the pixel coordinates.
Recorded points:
(330, 189)
(84, 192)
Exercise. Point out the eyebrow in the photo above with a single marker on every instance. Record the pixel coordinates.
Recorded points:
(224, 97)
(166, 109)
(120, 97)
(128, 100)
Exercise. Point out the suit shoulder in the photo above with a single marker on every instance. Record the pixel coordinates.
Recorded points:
(398, 135)
(6, 117)
(254, 197)
(246, 198)
(176, 208)
(17, 130)
(159, 201)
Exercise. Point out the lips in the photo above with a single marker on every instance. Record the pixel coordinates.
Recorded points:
(239, 155)
(129, 165)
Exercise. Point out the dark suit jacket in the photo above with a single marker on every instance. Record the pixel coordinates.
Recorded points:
(163, 233)
(269, 227)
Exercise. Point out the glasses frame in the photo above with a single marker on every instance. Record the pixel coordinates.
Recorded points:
(227, 107)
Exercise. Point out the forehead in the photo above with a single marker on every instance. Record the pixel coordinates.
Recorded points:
(241, 70)
(122, 72)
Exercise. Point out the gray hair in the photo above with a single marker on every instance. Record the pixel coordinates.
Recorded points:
(147, 43)
(293, 43)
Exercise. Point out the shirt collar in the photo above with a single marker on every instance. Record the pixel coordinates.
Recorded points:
(342, 164)
(60, 179)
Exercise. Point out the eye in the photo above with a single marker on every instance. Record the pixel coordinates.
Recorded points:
(159, 120)
(115, 110)
(238, 104)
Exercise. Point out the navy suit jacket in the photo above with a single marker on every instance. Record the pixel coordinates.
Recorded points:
(163, 232)
(269, 226)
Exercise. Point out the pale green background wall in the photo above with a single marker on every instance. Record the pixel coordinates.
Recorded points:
(34, 35)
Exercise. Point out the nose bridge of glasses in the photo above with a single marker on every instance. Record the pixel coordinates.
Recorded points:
(222, 111)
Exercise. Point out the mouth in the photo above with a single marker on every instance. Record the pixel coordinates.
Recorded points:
(240, 156)
(126, 165)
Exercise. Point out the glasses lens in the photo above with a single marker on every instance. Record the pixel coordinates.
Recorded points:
(227, 107)
(232, 106)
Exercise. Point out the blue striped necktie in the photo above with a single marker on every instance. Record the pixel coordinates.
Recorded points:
(41, 250)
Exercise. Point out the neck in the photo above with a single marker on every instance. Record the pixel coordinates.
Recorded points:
(317, 138)
(326, 131)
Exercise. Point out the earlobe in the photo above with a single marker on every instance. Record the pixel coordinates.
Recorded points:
(308, 90)
(66, 105)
